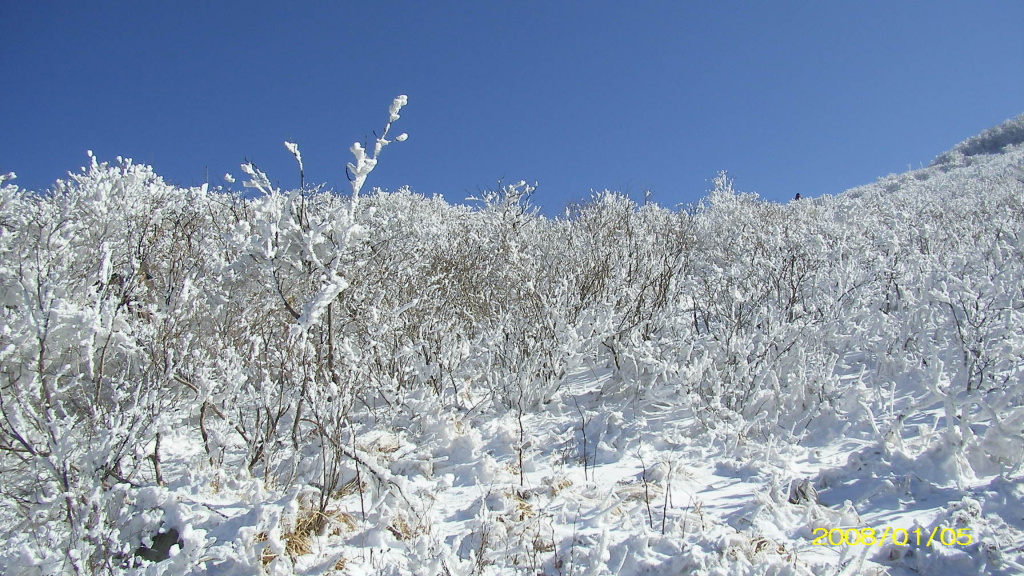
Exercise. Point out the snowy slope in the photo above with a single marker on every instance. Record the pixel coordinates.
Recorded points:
(303, 383)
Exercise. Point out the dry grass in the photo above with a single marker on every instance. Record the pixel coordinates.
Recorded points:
(636, 491)
(557, 485)
(523, 509)
(347, 489)
(402, 530)
(299, 541)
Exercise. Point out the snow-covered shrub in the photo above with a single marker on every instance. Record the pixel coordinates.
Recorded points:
(629, 262)
(332, 362)
(99, 346)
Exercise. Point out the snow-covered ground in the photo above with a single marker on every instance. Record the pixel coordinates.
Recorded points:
(656, 496)
(301, 383)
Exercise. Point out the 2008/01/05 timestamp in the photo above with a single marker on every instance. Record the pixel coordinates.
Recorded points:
(898, 536)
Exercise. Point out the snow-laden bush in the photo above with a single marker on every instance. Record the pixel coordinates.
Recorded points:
(103, 337)
(302, 347)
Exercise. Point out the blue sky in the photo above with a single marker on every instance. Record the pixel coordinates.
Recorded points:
(808, 97)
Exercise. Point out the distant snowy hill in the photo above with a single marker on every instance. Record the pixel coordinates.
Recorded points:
(994, 157)
(995, 140)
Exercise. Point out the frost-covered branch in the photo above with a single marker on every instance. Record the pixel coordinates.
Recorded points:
(364, 164)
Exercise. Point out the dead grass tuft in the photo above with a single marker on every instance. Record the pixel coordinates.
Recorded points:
(299, 541)
(401, 529)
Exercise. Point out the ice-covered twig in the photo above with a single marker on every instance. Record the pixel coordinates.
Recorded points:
(294, 149)
(312, 311)
(364, 164)
(259, 179)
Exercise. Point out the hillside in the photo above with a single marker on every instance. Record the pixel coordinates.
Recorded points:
(193, 381)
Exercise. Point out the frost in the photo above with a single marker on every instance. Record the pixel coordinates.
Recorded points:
(396, 106)
(301, 382)
(364, 164)
(294, 149)
(259, 180)
(312, 311)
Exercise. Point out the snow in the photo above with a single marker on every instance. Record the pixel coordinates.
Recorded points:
(312, 311)
(305, 383)
(294, 149)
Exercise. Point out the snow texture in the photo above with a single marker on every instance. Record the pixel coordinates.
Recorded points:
(193, 381)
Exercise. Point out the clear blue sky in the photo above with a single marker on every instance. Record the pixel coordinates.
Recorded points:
(810, 97)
